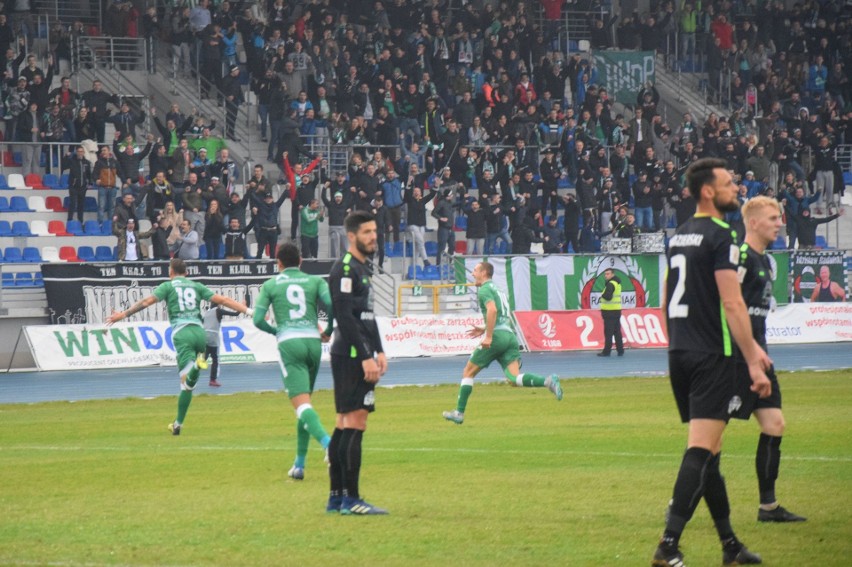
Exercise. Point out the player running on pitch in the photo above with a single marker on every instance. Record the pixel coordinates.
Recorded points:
(183, 298)
(293, 296)
(499, 343)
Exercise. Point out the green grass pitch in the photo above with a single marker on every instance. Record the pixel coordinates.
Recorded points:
(525, 481)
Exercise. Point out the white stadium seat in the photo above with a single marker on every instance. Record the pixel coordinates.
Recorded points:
(50, 254)
(16, 181)
(36, 203)
(39, 228)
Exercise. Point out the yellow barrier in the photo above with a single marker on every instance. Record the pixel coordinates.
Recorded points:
(417, 290)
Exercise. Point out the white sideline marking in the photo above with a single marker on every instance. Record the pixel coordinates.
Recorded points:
(460, 450)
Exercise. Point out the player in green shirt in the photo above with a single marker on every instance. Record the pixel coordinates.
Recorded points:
(499, 343)
(183, 299)
(293, 296)
(311, 216)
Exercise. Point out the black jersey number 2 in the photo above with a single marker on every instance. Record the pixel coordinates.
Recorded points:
(678, 310)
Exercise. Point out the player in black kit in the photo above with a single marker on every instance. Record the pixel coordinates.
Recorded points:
(704, 307)
(762, 217)
(357, 363)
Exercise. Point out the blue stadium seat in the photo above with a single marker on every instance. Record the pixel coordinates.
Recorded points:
(106, 229)
(415, 273)
(63, 181)
(431, 248)
(5, 228)
(21, 228)
(431, 273)
(32, 255)
(104, 254)
(86, 254)
(3, 183)
(4, 205)
(847, 177)
(19, 204)
(461, 223)
(821, 242)
(779, 244)
(90, 205)
(393, 249)
(23, 279)
(202, 252)
(74, 228)
(50, 181)
(8, 280)
(92, 227)
(13, 255)
(38, 280)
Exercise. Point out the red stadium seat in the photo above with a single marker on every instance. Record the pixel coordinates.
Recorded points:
(34, 180)
(55, 204)
(57, 227)
(69, 254)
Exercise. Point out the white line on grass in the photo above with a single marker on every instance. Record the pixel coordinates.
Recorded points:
(460, 450)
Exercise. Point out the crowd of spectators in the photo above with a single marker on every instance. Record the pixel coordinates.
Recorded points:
(474, 107)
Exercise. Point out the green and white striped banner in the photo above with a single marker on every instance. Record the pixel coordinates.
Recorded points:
(542, 283)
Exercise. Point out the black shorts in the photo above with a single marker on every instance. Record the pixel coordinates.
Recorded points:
(750, 400)
(351, 391)
(704, 385)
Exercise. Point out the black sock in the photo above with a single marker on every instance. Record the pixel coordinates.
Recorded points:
(767, 461)
(334, 466)
(716, 496)
(343, 458)
(688, 490)
(353, 462)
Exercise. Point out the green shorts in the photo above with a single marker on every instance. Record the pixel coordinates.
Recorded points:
(299, 361)
(189, 341)
(504, 349)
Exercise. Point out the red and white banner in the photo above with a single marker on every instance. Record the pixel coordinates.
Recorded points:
(583, 329)
(642, 328)
(428, 335)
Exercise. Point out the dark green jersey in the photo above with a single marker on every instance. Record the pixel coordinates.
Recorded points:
(294, 296)
(756, 275)
(701, 247)
(183, 300)
(490, 292)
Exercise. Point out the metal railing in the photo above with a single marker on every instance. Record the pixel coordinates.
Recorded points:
(50, 155)
(436, 302)
(87, 11)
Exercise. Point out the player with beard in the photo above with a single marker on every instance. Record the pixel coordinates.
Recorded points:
(357, 363)
(704, 307)
(762, 217)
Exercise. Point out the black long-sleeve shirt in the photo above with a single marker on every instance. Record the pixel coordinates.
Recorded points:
(417, 209)
(267, 213)
(357, 333)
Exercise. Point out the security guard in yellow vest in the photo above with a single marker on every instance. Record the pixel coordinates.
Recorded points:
(611, 312)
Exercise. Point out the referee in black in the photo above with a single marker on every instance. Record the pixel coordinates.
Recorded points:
(704, 307)
(357, 363)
